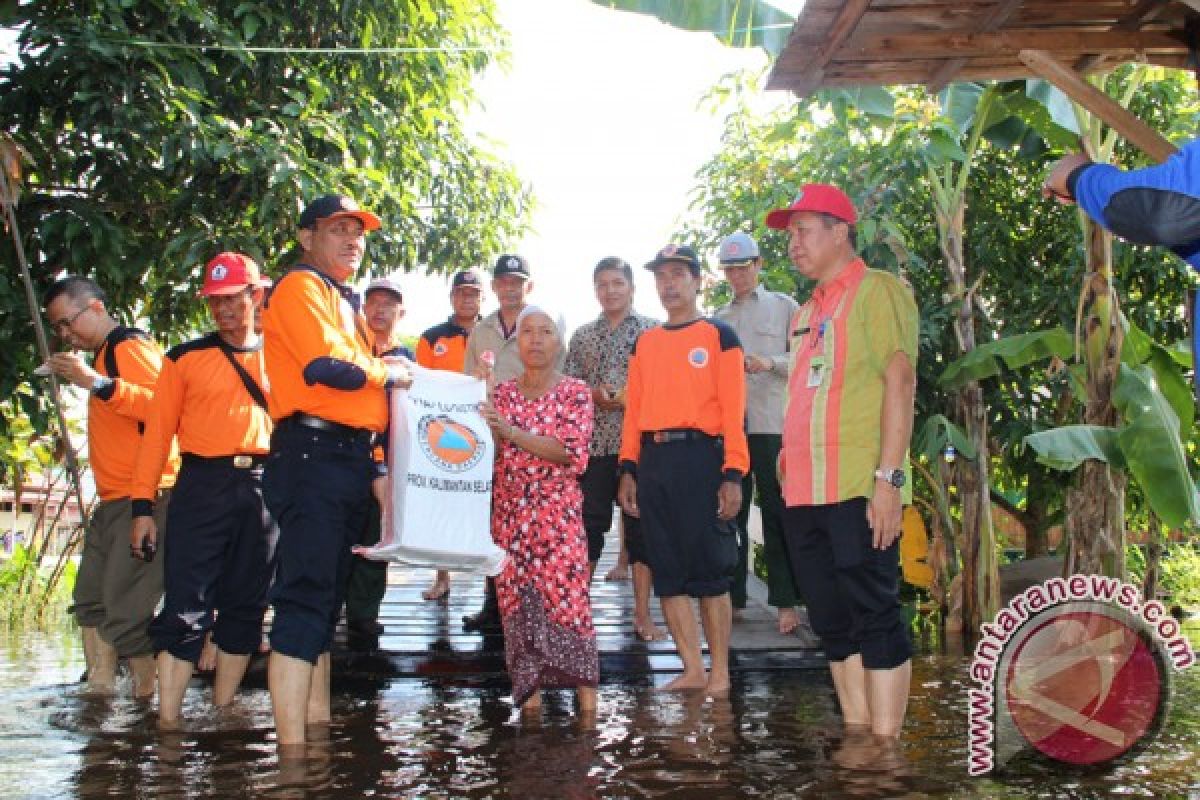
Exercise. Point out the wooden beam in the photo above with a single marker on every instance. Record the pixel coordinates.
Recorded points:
(1145, 11)
(839, 32)
(939, 44)
(1118, 118)
(997, 18)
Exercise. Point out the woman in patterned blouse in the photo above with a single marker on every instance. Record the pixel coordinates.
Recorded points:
(543, 423)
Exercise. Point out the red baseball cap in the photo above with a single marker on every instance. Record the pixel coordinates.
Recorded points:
(822, 198)
(230, 273)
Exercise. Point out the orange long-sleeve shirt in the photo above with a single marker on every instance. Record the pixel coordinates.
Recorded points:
(687, 376)
(200, 401)
(117, 415)
(318, 354)
(444, 346)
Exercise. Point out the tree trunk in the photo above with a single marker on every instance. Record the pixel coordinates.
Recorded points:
(981, 583)
(1096, 507)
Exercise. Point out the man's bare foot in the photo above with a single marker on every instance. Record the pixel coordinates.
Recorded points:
(620, 572)
(685, 683)
(647, 631)
(788, 620)
(717, 686)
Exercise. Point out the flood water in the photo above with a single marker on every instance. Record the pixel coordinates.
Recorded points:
(777, 736)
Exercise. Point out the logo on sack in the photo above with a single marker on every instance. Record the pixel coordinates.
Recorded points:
(698, 357)
(440, 349)
(449, 444)
(1077, 669)
(219, 271)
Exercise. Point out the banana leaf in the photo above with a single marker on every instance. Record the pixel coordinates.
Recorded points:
(1014, 351)
(1067, 447)
(1153, 450)
(737, 23)
(936, 433)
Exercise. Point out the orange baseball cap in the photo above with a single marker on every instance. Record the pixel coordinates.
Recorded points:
(230, 273)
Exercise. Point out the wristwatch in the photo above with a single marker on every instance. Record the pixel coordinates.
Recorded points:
(100, 383)
(895, 477)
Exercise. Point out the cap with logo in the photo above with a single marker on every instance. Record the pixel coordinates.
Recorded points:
(334, 206)
(230, 273)
(821, 198)
(385, 283)
(511, 265)
(468, 277)
(737, 249)
(676, 252)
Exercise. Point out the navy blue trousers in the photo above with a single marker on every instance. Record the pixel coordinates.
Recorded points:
(219, 558)
(317, 484)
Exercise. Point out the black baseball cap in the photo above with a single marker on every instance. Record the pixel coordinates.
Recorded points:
(468, 277)
(332, 206)
(511, 265)
(676, 252)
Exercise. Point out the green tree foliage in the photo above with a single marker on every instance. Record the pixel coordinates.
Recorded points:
(875, 143)
(162, 132)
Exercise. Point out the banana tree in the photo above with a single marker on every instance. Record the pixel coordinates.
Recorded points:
(954, 137)
(1155, 414)
(1095, 522)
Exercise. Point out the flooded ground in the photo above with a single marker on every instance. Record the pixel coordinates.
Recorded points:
(777, 736)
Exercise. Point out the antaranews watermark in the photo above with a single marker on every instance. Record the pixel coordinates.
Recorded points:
(1077, 668)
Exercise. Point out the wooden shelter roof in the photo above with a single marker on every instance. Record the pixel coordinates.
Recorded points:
(934, 42)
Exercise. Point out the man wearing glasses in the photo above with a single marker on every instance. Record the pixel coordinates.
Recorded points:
(115, 594)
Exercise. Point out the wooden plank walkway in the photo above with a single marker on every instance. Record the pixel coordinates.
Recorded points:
(426, 639)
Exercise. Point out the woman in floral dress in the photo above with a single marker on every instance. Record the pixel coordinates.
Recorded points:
(542, 422)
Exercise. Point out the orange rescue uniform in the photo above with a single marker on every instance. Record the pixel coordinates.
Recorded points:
(200, 398)
(313, 335)
(688, 376)
(443, 346)
(117, 415)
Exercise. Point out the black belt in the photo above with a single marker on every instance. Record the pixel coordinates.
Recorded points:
(677, 435)
(346, 432)
(240, 461)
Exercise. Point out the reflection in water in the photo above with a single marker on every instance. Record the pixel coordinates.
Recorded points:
(777, 735)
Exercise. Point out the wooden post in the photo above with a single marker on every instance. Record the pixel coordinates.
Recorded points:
(1097, 102)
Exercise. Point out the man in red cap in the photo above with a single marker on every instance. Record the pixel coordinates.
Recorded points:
(218, 562)
(846, 430)
(115, 591)
(329, 404)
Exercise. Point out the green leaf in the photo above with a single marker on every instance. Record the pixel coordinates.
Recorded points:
(1067, 447)
(1153, 450)
(937, 432)
(745, 23)
(959, 104)
(1014, 351)
(944, 147)
(873, 100)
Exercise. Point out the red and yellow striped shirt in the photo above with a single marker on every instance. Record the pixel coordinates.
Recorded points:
(842, 341)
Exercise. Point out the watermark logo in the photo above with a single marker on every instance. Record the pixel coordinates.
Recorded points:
(1077, 669)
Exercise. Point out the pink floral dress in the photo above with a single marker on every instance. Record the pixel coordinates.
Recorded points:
(537, 517)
